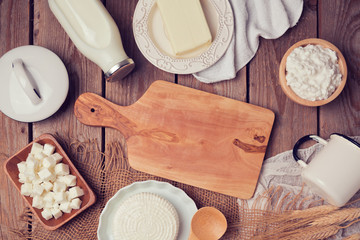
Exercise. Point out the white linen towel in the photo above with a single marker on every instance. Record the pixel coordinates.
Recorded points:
(253, 19)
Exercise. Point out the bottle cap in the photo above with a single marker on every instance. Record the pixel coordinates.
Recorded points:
(120, 70)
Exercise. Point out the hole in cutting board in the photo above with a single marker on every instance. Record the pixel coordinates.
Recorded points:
(92, 109)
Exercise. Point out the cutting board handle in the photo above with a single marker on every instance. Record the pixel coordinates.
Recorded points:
(94, 110)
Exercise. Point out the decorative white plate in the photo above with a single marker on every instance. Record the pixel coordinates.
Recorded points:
(151, 39)
(183, 204)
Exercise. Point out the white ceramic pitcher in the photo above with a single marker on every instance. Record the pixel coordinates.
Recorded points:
(334, 172)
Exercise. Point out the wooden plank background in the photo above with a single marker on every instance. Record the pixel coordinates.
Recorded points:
(14, 32)
(31, 22)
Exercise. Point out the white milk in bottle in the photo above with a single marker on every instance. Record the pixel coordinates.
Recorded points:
(95, 34)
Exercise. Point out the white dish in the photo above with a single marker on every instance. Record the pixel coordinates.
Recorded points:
(151, 39)
(183, 204)
(49, 75)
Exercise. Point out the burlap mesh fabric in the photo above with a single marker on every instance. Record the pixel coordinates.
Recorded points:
(271, 216)
(108, 172)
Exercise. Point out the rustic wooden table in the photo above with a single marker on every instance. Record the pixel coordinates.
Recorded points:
(30, 22)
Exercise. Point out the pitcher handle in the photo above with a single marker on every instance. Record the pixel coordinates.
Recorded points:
(301, 141)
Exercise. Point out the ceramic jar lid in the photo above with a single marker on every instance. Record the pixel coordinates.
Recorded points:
(34, 83)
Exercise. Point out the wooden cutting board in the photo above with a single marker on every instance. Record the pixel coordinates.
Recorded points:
(187, 135)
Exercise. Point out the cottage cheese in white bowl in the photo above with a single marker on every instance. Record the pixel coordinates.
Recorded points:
(313, 72)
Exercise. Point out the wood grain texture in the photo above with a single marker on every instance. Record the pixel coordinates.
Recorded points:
(14, 32)
(188, 136)
(84, 76)
(130, 89)
(292, 120)
(339, 23)
(334, 20)
(234, 88)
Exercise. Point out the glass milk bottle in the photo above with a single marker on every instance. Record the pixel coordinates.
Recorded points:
(95, 33)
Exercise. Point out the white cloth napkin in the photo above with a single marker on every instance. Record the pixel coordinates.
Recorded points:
(253, 19)
(282, 170)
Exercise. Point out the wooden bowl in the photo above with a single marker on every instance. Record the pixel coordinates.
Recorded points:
(12, 171)
(291, 94)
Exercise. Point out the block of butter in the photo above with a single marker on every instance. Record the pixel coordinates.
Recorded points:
(185, 24)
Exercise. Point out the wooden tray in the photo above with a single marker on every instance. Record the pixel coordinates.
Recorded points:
(12, 171)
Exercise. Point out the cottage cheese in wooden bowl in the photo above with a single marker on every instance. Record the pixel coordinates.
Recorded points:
(313, 72)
